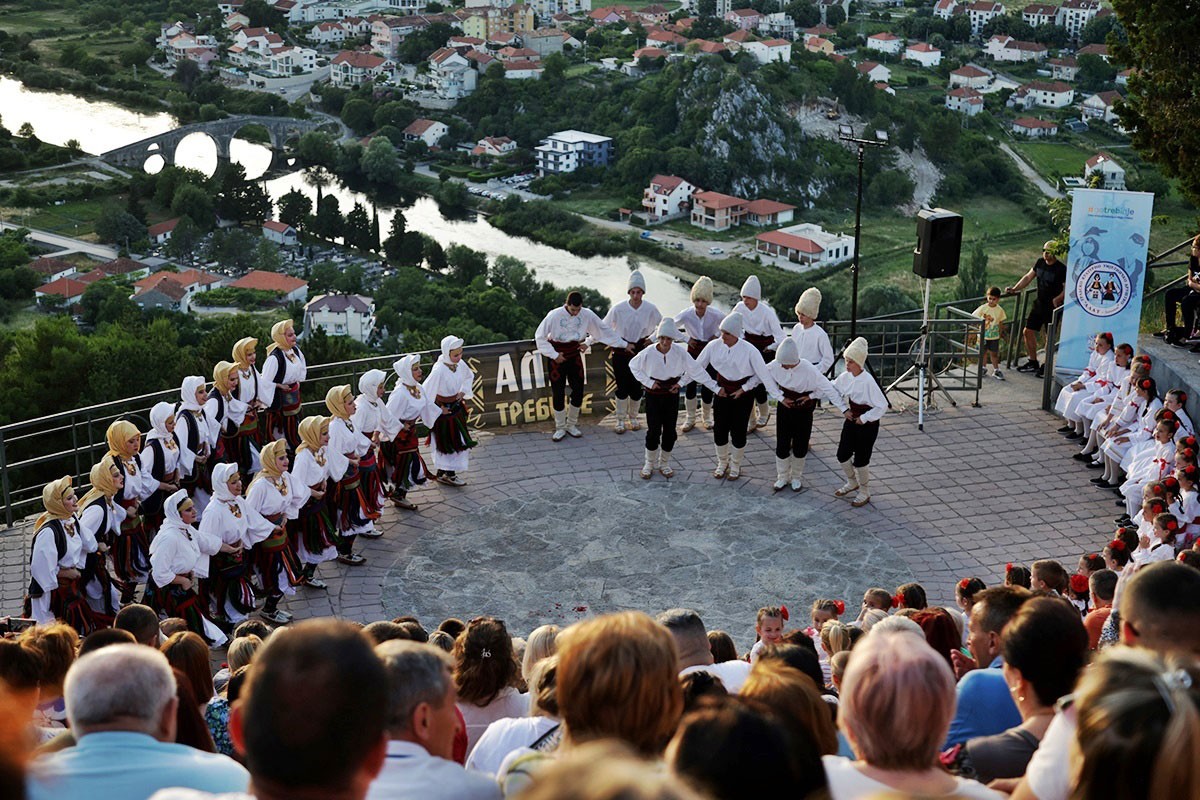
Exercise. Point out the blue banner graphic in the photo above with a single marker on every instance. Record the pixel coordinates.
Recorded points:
(1106, 269)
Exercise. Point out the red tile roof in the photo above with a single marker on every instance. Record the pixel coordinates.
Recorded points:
(764, 208)
(791, 241)
(123, 266)
(716, 200)
(49, 266)
(162, 227)
(278, 227)
(269, 282)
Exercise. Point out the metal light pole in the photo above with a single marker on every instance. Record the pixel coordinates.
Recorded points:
(846, 134)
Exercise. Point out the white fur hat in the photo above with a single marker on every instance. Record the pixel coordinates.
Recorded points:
(732, 324)
(752, 288)
(810, 303)
(668, 328)
(856, 351)
(788, 352)
(636, 281)
(702, 289)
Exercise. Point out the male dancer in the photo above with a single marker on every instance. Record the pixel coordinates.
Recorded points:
(663, 370)
(701, 324)
(763, 331)
(635, 321)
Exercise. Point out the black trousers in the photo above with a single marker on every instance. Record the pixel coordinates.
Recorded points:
(731, 416)
(793, 429)
(568, 372)
(628, 387)
(706, 394)
(662, 412)
(857, 442)
(1185, 299)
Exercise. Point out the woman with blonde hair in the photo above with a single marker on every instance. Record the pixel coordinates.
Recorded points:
(100, 518)
(131, 550)
(250, 435)
(1138, 727)
(229, 412)
(273, 495)
(283, 370)
(346, 448)
(541, 644)
(312, 532)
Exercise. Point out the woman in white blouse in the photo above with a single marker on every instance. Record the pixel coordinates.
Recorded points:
(175, 556)
(100, 518)
(131, 554)
(283, 370)
(273, 495)
(346, 449)
(239, 528)
(449, 384)
(372, 418)
(57, 561)
(312, 531)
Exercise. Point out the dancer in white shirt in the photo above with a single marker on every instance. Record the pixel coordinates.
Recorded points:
(702, 324)
(100, 519)
(196, 439)
(449, 385)
(635, 321)
(408, 404)
(313, 532)
(250, 388)
(283, 372)
(374, 421)
(811, 339)
(761, 328)
(801, 384)
(272, 495)
(343, 453)
(867, 406)
(56, 562)
(662, 369)
(175, 558)
(130, 556)
(734, 368)
(562, 338)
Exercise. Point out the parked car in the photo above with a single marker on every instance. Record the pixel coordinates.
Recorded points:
(715, 251)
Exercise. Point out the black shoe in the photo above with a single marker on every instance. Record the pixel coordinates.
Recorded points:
(1100, 482)
(1066, 429)
(1179, 342)
(1028, 366)
(1194, 348)
(1041, 372)
(1094, 465)
(1074, 436)
(1163, 334)
(1081, 457)
(1123, 520)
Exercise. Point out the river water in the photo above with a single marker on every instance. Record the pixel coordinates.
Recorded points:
(100, 126)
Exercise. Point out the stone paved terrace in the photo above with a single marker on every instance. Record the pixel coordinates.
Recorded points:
(550, 532)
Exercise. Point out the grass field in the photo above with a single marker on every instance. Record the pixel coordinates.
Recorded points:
(1055, 159)
(76, 218)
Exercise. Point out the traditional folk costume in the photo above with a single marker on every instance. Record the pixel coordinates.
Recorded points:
(1142, 443)
(1112, 408)
(372, 418)
(449, 385)
(801, 383)
(408, 404)
(57, 547)
(663, 374)
(346, 447)
(1103, 389)
(702, 324)
(313, 532)
(285, 369)
(131, 549)
(812, 342)
(196, 437)
(160, 460)
(1135, 424)
(229, 518)
(564, 334)
(725, 369)
(250, 388)
(1159, 465)
(225, 413)
(100, 518)
(176, 553)
(1070, 399)
(762, 329)
(868, 405)
(273, 495)
(635, 326)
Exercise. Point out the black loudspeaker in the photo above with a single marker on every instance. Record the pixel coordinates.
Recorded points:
(939, 242)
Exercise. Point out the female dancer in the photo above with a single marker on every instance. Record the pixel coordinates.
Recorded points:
(449, 384)
(312, 532)
(272, 494)
(408, 404)
(175, 557)
(285, 369)
(57, 561)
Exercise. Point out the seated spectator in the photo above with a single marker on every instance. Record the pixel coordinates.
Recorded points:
(540, 731)
(384, 631)
(442, 641)
(1103, 585)
(940, 631)
(171, 626)
(121, 704)
(699, 686)
(911, 595)
(56, 644)
(1016, 575)
(1048, 576)
(802, 658)
(985, 704)
(142, 622)
(1138, 720)
(870, 618)
(793, 697)
(453, 626)
(606, 770)
(190, 727)
(20, 672)
(894, 680)
(97, 640)
(768, 629)
(188, 652)
(541, 644)
(739, 748)
(416, 631)
(252, 627)
(691, 641)
(240, 653)
(722, 647)
(1044, 648)
(486, 673)
(421, 725)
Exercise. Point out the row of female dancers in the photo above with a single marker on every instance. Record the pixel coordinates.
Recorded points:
(210, 521)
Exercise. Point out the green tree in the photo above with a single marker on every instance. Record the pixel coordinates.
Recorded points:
(395, 113)
(267, 257)
(328, 222)
(232, 247)
(358, 228)
(194, 203)
(379, 162)
(452, 196)
(1095, 73)
(317, 148)
(187, 74)
(350, 281)
(322, 277)
(107, 301)
(435, 255)
(13, 250)
(118, 226)
(294, 208)
(394, 242)
(183, 241)
(465, 264)
(358, 114)
(834, 16)
(238, 198)
(973, 275)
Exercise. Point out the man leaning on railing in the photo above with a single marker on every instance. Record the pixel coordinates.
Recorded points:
(1051, 276)
(1187, 299)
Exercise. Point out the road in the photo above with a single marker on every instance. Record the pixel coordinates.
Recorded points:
(66, 243)
(1030, 173)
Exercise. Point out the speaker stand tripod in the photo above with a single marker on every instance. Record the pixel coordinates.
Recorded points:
(926, 379)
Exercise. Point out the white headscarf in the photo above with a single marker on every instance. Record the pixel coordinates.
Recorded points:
(449, 344)
(187, 393)
(368, 384)
(172, 519)
(222, 473)
(404, 369)
(158, 420)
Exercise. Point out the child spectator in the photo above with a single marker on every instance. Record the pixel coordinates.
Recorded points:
(1103, 585)
(1016, 575)
(1048, 576)
(768, 627)
(1117, 554)
(911, 595)
(994, 317)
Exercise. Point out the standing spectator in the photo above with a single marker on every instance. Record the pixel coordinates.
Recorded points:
(121, 703)
(994, 316)
(421, 725)
(1051, 277)
(1187, 299)
(486, 672)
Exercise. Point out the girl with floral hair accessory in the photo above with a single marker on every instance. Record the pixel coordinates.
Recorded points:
(1159, 545)
(1016, 575)
(1120, 434)
(1187, 506)
(1112, 409)
(1117, 554)
(1074, 394)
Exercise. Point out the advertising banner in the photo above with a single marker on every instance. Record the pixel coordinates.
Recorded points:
(1106, 265)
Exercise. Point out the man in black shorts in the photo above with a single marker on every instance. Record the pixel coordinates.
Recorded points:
(1185, 298)
(1051, 276)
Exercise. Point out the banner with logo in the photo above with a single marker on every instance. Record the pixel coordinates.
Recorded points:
(1106, 270)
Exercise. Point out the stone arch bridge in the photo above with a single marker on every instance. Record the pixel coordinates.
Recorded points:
(221, 131)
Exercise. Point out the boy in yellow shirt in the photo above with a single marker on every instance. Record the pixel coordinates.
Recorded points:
(993, 317)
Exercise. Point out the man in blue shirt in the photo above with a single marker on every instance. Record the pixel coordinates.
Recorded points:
(121, 704)
(985, 704)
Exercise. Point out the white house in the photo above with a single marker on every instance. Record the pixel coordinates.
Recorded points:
(970, 76)
(745, 18)
(279, 232)
(885, 42)
(523, 69)
(351, 68)
(350, 315)
(567, 151)
(944, 9)
(1045, 94)
(450, 74)
(1034, 128)
(1063, 69)
(494, 147)
(777, 24)
(771, 50)
(877, 72)
(1112, 174)
(161, 233)
(981, 12)
(50, 268)
(1074, 14)
(1039, 14)
(429, 131)
(806, 245)
(1006, 48)
(964, 100)
(1101, 105)
(667, 197)
(924, 54)
(763, 213)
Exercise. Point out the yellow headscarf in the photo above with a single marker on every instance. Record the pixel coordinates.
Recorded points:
(104, 483)
(277, 338)
(223, 377)
(335, 400)
(311, 429)
(53, 496)
(242, 351)
(118, 433)
(269, 455)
